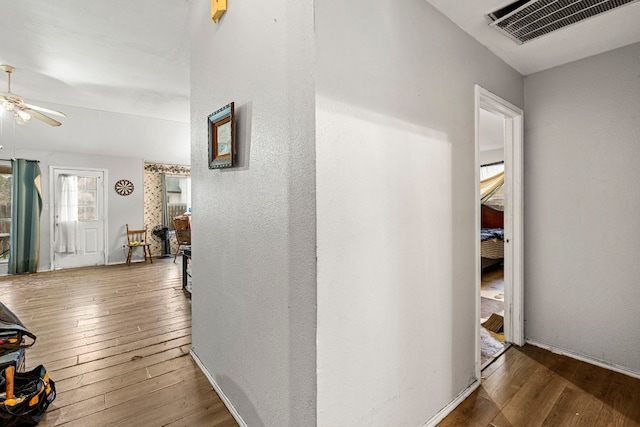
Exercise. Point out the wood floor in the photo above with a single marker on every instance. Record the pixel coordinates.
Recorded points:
(116, 341)
(530, 387)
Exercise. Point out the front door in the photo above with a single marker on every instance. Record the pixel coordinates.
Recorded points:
(78, 218)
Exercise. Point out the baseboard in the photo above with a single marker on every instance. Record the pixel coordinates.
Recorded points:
(596, 362)
(442, 413)
(218, 390)
(133, 261)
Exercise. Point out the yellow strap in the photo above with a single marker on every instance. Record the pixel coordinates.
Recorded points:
(13, 402)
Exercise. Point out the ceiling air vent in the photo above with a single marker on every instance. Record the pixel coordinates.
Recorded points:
(526, 20)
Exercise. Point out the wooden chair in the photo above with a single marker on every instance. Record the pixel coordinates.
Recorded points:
(138, 239)
(182, 225)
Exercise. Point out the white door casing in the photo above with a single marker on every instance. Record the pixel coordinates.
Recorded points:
(513, 218)
(90, 230)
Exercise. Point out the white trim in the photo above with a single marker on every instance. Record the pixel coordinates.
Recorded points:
(514, 235)
(218, 389)
(514, 231)
(517, 246)
(105, 213)
(105, 209)
(478, 265)
(442, 413)
(587, 359)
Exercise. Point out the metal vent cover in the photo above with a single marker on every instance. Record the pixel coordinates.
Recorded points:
(525, 20)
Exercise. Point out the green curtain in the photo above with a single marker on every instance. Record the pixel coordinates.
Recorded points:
(26, 206)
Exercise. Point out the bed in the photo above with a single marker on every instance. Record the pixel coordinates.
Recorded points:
(491, 236)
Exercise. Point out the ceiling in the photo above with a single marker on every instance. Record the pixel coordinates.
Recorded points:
(122, 56)
(132, 57)
(617, 28)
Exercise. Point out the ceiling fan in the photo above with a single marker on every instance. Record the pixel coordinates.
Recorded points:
(22, 111)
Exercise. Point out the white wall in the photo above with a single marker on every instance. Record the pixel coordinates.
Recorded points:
(120, 143)
(121, 210)
(101, 132)
(253, 246)
(395, 209)
(582, 150)
(491, 156)
(491, 128)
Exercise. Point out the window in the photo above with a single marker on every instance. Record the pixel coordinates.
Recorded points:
(491, 169)
(496, 200)
(5, 210)
(177, 197)
(87, 198)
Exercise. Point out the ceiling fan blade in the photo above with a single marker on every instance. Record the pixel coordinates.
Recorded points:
(45, 110)
(48, 120)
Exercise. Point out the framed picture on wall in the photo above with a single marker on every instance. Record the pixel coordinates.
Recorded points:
(222, 140)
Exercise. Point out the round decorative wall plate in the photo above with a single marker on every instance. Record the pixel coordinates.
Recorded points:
(124, 187)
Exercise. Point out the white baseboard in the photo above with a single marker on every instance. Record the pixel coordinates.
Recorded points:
(442, 413)
(218, 390)
(133, 261)
(568, 353)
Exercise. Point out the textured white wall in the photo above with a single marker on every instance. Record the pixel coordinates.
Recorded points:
(254, 268)
(582, 150)
(396, 213)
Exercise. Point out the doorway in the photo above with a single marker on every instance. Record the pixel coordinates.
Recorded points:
(511, 118)
(78, 220)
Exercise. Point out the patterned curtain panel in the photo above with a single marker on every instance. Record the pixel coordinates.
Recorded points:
(490, 185)
(26, 206)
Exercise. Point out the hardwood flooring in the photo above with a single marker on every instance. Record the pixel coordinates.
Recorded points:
(529, 386)
(116, 342)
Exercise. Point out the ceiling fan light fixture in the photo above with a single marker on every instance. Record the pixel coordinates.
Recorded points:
(22, 111)
(9, 106)
(23, 116)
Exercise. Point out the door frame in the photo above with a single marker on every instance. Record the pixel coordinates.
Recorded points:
(513, 218)
(52, 199)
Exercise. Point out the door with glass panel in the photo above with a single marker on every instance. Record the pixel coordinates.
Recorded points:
(78, 218)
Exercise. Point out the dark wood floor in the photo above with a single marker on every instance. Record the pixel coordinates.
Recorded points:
(116, 341)
(530, 387)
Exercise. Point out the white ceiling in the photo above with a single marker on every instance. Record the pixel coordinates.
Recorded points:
(123, 56)
(611, 30)
(132, 56)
